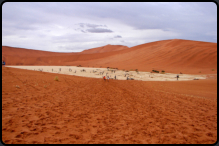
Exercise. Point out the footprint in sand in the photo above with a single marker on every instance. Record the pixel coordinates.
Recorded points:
(7, 141)
(74, 136)
(33, 129)
(57, 133)
(19, 136)
(210, 134)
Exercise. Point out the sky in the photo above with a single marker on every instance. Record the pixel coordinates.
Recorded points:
(77, 26)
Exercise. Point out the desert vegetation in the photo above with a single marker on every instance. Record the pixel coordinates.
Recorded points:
(56, 78)
(156, 71)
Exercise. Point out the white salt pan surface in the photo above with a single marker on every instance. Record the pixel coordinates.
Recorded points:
(120, 75)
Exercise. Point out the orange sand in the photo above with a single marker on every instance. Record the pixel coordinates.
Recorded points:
(38, 109)
(173, 56)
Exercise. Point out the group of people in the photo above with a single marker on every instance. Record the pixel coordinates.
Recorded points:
(107, 77)
(104, 77)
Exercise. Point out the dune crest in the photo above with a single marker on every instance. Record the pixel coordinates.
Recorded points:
(107, 48)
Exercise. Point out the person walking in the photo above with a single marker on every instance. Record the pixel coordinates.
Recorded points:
(108, 78)
(177, 77)
(3, 63)
(104, 78)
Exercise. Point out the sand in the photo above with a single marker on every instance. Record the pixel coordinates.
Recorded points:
(37, 109)
(82, 108)
(120, 75)
(172, 56)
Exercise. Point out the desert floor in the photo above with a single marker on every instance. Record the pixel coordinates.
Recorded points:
(74, 109)
(120, 75)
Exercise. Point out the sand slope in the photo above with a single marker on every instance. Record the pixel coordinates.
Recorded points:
(107, 48)
(37, 109)
(170, 55)
(173, 56)
(22, 56)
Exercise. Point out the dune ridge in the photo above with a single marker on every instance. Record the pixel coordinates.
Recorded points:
(107, 48)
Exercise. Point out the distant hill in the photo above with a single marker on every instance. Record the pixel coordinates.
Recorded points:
(174, 56)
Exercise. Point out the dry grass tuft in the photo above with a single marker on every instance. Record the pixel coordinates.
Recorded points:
(56, 78)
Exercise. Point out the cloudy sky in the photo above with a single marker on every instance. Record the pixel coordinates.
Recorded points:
(74, 27)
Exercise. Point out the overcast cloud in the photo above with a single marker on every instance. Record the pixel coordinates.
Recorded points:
(73, 27)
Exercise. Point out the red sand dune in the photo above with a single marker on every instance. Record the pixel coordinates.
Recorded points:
(170, 55)
(174, 56)
(37, 109)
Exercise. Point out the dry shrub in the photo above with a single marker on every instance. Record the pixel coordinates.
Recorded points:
(56, 78)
